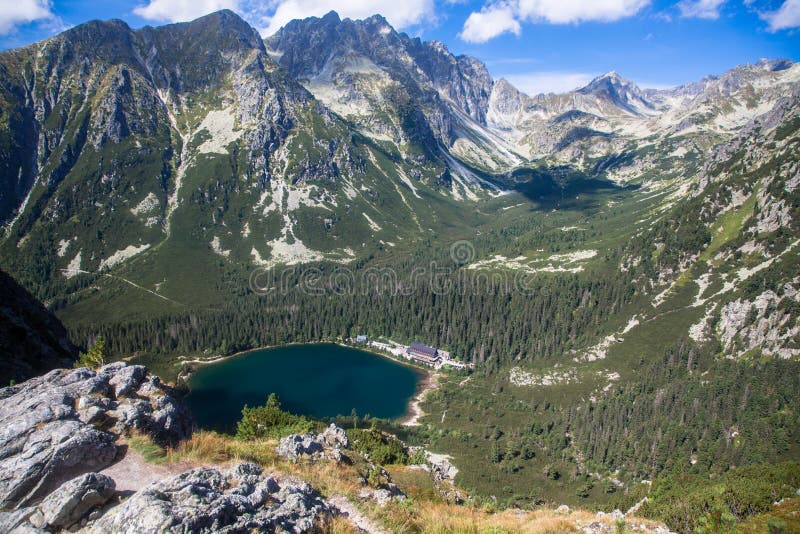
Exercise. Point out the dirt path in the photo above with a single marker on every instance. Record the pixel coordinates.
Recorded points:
(359, 520)
(133, 472)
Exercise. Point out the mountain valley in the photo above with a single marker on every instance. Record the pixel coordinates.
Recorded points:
(619, 264)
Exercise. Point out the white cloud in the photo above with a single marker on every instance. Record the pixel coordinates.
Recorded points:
(399, 13)
(785, 18)
(16, 12)
(701, 9)
(534, 83)
(488, 23)
(503, 16)
(572, 11)
(182, 10)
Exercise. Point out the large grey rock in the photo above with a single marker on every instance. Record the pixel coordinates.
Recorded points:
(73, 501)
(16, 521)
(203, 500)
(65, 423)
(53, 453)
(328, 444)
(336, 437)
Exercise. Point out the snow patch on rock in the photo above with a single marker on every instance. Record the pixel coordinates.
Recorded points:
(372, 224)
(122, 255)
(74, 266)
(219, 124)
(216, 246)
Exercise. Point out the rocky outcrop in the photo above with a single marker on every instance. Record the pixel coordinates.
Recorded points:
(242, 500)
(384, 495)
(766, 322)
(72, 501)
(32, 340)
(328, 444)
(65, 423)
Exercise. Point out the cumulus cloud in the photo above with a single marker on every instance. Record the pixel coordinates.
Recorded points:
(182, 10)
(497, 18)
(785, 18)
(488, 23)
(399, 13)
(534, 83)
(16, 12)
(572, 11)
(701, 9)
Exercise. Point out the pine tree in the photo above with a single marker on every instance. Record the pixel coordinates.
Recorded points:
(96, 357)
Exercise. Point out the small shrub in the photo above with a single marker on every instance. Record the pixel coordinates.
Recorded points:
(381, 448)
(96, 357)
(270, 421)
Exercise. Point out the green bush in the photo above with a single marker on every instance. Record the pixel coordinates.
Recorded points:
(688, 502)
(418, 458)
(382, 448)
(270, 421)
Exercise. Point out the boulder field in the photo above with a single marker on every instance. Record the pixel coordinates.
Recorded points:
(59, 429)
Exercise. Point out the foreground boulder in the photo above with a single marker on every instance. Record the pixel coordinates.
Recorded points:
(208, 500)
(72, 501)
(65, 424)
(328, 444)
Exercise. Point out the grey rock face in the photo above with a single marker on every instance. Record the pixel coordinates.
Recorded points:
(72, 501)
(64, 424)
(439, 84)
(314, 446)
(16, 521)
(208, 500)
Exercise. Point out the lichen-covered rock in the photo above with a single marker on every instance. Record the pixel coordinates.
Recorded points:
(328, 444)
(202, 500)
(335, 437)
(65, 423)
(73, 501)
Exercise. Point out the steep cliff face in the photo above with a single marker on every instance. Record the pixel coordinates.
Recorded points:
(399, 90)
(188, 141)
(32, 340)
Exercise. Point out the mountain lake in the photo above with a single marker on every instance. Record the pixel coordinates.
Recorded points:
(317, 380)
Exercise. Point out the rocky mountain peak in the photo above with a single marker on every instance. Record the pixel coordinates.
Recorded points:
(774, 65)
(619, 91)
(605, 83)
(220, 30)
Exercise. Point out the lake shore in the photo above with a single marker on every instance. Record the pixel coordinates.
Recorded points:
(414, 412)
(219, 358)
(429, 380)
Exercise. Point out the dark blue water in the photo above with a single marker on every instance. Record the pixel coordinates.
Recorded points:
(317, 380)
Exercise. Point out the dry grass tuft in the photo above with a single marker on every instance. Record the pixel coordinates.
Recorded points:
(203, 447)
(338, 525)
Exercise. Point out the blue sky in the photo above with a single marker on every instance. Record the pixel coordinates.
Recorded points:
(540, 45)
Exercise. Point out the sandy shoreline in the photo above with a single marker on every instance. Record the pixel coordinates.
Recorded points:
(414, 411)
